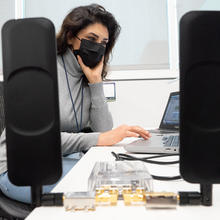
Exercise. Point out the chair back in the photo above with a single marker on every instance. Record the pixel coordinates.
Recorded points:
(2, 111)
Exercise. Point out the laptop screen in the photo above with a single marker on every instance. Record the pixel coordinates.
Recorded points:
(170, 118)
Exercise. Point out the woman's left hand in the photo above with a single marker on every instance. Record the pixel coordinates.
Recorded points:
(94, 75)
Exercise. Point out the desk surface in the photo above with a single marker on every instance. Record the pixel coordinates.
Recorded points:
(77, 178)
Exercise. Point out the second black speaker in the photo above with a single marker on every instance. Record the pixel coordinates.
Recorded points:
(200, 96)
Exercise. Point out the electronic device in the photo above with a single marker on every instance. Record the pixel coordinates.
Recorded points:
(116, 179)
(199, 97)
(31, 102)
(109, 91)
(170, 119)
(165, 139)
(200, 100)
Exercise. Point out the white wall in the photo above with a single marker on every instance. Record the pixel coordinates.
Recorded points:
(141, 102)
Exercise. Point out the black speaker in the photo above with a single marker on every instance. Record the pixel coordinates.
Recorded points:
(200, 97)
(31, 102)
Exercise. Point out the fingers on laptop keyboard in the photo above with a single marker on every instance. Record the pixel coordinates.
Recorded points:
(141, 131)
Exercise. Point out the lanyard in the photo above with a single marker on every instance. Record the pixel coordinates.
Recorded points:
(68, 85)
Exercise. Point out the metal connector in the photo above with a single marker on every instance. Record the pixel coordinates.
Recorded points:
(161, 200)
(79, 201)
(134, 196)
(106, 195)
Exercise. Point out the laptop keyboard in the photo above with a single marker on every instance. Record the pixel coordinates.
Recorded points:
(160, 131)
(171, 141)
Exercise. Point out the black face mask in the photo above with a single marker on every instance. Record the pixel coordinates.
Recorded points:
(90, 52)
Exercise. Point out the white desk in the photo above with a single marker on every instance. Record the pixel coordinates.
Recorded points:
(77, 178)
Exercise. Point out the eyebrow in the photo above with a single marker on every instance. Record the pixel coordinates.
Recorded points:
(95, 35)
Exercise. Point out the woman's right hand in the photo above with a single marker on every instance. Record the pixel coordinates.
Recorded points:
(94, 75)
(118, 134)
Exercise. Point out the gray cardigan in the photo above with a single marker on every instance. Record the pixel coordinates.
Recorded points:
(95, 111)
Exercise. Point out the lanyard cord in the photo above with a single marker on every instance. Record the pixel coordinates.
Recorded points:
(68, 85)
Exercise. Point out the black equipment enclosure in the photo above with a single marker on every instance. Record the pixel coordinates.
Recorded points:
(200, 97)
(31, 102)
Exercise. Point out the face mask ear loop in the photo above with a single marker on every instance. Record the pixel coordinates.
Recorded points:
(75, 51)
(77, 37)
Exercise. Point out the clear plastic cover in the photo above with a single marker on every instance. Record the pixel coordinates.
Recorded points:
(120, 175)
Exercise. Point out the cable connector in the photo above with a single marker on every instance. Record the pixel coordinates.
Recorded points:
(107, 195)
(79, 201)
(134, 196)
(52, 199)
(189, 198)
(161, 200)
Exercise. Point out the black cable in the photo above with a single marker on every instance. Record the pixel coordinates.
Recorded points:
(121, 157)
(161, 155)
(166, 178)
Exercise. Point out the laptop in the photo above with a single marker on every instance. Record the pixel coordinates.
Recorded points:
(165, 139)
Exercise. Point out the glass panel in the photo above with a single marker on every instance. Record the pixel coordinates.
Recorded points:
(143, 42)
(189, 5)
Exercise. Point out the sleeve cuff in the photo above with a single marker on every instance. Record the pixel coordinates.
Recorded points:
(91, 140)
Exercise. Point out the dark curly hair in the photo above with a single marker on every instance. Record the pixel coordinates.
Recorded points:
(83, 16)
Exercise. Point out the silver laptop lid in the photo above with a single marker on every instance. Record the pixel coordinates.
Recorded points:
(170, 119)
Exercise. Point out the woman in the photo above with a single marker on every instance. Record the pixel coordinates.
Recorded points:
(84, 44)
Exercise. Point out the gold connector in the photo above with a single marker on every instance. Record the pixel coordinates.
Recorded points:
(106, 195)
(134, 197)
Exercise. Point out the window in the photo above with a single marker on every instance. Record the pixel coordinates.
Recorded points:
(185, 6)
(143, 42)
(189, 5)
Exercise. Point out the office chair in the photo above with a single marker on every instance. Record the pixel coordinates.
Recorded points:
(2, 112)
(9, 208)
(13, 210)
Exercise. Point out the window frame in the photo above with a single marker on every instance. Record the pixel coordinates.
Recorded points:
(148, 74)
(19, 9)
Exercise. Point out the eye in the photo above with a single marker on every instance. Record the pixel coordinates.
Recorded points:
(91, 38)
(104, 43)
